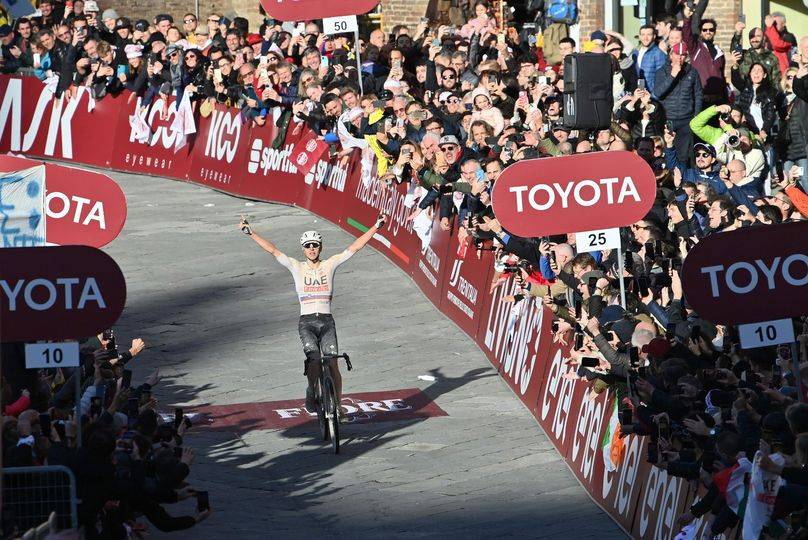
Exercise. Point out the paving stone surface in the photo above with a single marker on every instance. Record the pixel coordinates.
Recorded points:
(220, 318)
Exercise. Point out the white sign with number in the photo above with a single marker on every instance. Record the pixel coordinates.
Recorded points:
(52, 355)
(764, 334)
(597, 240)
(340, 25)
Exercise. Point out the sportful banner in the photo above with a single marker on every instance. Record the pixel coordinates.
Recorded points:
(255, 162)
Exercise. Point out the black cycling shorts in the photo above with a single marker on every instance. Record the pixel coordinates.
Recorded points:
(318, 333)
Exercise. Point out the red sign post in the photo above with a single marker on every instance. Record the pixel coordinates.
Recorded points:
(749, 275)
(304, 10)
(539, 197)
(57, 293)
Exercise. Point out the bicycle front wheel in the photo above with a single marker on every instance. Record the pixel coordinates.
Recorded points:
(321, 410)
(332, 413)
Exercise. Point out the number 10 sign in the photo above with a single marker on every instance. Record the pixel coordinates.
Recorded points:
(51, 355)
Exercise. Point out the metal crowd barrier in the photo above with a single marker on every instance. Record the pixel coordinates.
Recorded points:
(31, 494)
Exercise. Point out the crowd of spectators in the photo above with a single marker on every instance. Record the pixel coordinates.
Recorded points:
(444, 108)
(130, 460)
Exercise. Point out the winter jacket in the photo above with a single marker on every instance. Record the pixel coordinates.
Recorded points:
(763, 96)
(780, 46)
(709, 67)
(761, 56)
(793, 135)
(694, 175)
(754, 159)
(681, 95)
(652, 61)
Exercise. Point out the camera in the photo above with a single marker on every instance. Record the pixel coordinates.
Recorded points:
(733, 141)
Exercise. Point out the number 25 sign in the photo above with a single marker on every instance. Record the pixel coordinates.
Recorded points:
(303, 10)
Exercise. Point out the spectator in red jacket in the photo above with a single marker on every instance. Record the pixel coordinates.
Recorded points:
(775, 33)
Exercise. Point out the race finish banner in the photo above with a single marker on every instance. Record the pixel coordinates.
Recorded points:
(81, 207)
(58, 293)
(587, 192)
(304, 10)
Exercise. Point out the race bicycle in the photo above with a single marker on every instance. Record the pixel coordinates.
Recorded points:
(325, 395)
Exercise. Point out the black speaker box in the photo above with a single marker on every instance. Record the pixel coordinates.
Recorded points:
(588, 97)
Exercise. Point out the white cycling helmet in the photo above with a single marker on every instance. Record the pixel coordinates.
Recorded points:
(311, 236)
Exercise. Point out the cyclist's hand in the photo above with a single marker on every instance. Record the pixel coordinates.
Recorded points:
(380, 221)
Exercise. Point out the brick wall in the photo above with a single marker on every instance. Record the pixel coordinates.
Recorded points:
(407, 12)
(590, 17)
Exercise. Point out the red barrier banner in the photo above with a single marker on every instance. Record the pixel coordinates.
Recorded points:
(465, 279)
(304, 10)
(81, 207)
(58, 292)
(269, 174)
(429, 262)
(220, 150)
(33, 122)
(157, 155)
(749, 275)
(584, 192)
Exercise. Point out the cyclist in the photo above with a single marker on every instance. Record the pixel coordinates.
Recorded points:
(314, 283)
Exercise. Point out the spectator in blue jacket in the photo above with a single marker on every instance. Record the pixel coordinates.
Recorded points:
(706, 169)
(678, 87)
(649, 58)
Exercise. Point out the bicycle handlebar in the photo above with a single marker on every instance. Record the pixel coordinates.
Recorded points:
(343, 355)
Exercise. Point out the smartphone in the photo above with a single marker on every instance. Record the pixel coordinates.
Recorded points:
(665, 265)
(202, 501)
(592, 285)
(578, 309)
(664, 428)
(777, 377)
(95, 406)
(178, 416)
(436, 42)
(132, 408)
(217, 75)
(127, 378)
(640, 84)
(670, 331)
(634, 356)
(642, 285)
(695, 333)
(543, 79)
(45, 424)
(742, 18)
(121, 70)
(579, 340)
(625, 417)
(650, 252)
(178, 452)
(589, 361)
(500, 38)
(396, 64)
(469, 107)
(37, 58)
(522, 94)
(553, 257)
(800, 171)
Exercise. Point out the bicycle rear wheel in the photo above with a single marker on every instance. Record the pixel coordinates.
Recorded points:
(321, 409)
(332, 413)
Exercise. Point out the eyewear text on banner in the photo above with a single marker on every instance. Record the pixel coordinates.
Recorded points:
(539, 197)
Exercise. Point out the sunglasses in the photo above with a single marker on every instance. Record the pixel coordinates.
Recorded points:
(708, 29)
(188, 21)
(703, 154)
(311, 245)
(448, 147)
(449, 77)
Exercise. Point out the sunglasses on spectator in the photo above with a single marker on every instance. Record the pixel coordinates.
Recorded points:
(311, 245)
(639, 227)
(187, 21)
(708, 29)
(703, 154)
(789, 77)
(448, 147)
(449, 76)
(453, 100)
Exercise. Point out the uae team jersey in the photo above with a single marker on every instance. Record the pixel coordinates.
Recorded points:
(314, 285)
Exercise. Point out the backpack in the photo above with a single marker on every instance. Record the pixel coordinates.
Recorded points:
(562, 11)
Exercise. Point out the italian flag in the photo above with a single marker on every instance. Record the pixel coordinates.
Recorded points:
(731, 483)
(612, 445)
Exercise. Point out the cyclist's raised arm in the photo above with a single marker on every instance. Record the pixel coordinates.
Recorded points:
(362, 241)
(264, 243)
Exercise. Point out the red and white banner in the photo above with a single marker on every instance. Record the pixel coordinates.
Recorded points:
(81, 206)
(254, 162)
(305, 10)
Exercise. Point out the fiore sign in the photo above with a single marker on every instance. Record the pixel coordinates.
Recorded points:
(749, 275)
(539, 197)
(58, 293)
(81, 207)
(303, 10)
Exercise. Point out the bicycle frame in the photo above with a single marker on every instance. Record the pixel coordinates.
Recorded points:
(326, 396)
